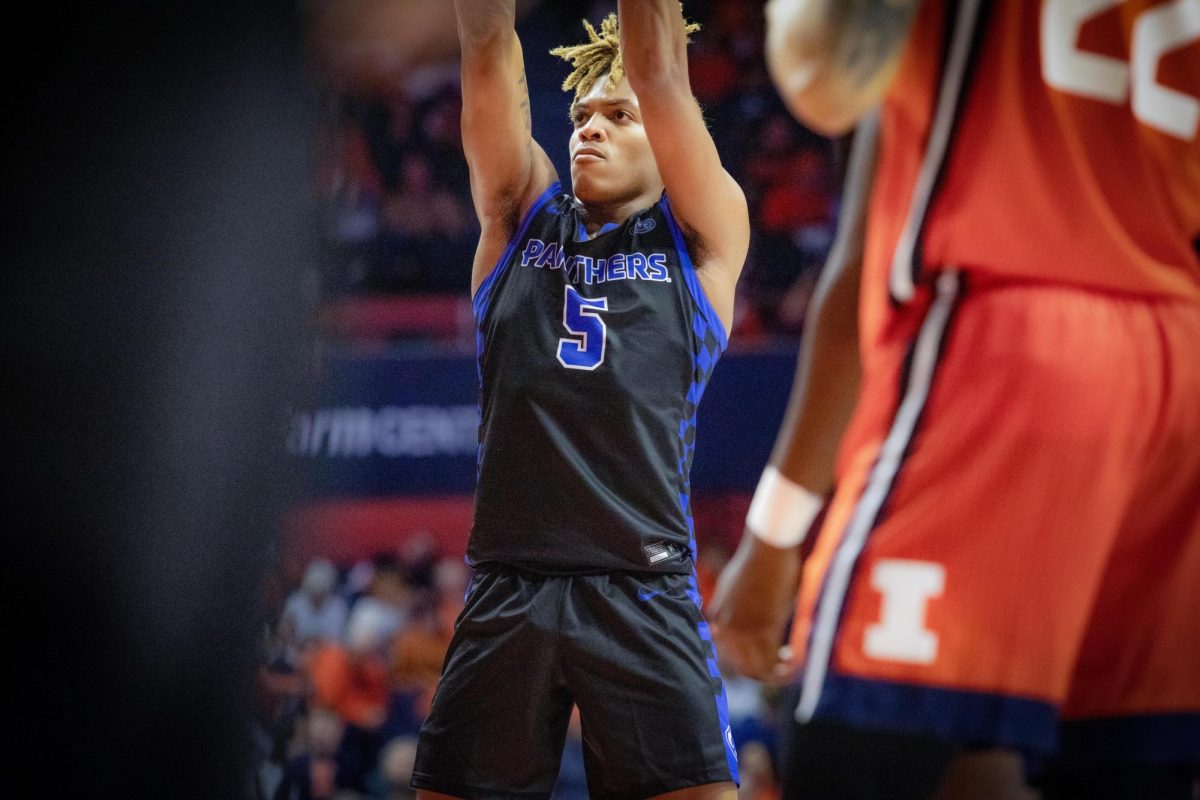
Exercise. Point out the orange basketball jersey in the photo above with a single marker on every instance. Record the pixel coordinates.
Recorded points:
(1045, 140)
(1014, 537)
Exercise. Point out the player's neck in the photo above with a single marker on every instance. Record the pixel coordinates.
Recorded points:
(596, 215)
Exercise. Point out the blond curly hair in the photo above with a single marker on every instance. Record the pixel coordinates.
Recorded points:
(601, 53)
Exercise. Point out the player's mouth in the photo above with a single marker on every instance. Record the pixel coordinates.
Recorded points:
(585, 154)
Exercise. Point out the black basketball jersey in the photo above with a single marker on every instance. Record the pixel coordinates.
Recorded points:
(593, 355)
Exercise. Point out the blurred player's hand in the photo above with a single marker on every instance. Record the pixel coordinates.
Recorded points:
(750, 608)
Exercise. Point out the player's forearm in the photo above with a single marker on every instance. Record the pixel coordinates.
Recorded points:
(653, 44)
(828, 371)
(832, 60)
(496, 122)
(790, 492)
(826, 384)
(483, 24)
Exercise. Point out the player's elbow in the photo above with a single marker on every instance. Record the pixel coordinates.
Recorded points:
(828, 116)
(656, 74)
(801, 62)
(487, 52)
(811, 93)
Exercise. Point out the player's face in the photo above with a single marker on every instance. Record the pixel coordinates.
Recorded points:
(611, 159)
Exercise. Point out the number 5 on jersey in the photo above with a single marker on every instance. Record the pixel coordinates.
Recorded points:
(584, 348)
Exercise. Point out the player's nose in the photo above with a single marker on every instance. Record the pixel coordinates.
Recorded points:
(593, 129)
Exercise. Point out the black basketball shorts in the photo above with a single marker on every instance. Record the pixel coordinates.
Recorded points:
(633, 652)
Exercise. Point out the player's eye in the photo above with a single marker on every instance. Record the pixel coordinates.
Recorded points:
(578, 118)
(622, 115)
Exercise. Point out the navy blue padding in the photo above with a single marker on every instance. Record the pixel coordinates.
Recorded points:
(1146, 739)
(973, 718)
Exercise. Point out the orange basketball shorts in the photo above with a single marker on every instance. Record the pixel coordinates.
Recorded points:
(1015, 536)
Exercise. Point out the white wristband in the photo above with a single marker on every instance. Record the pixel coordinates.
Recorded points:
(782, 511)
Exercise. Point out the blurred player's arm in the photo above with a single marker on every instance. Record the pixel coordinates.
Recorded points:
(705, 199)
(832, 60)
(756, 590)
(508, 169)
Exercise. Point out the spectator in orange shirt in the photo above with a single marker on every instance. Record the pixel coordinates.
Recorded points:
(352, 679)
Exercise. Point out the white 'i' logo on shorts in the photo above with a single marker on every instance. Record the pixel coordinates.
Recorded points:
(900, 634)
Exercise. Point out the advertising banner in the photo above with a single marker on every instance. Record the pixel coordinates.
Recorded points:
(380, 426)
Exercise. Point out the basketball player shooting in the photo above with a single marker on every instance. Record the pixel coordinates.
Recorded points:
(600, 315)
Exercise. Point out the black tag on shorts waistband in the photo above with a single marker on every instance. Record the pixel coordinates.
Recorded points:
(659, 552)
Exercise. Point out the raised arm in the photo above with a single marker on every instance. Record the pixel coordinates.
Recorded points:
(707, 202)
(756, 590)
(832, 60)
(508, 169)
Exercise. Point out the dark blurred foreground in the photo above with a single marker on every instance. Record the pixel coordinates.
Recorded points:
(155, 231)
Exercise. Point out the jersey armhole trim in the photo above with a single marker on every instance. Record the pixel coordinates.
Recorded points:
(479, 302)
(692, 279)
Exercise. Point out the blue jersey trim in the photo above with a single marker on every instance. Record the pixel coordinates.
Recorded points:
(719, 697)
(977, 718)
(581, 234)
(479, 302)
(689, 277)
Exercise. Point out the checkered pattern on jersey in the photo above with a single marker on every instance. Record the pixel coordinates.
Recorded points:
(707, 347)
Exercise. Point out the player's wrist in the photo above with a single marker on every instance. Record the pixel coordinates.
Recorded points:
(782, 511)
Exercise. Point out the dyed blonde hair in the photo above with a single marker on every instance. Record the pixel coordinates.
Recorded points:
(601, 53)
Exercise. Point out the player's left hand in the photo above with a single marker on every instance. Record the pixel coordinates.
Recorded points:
(750, 608)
